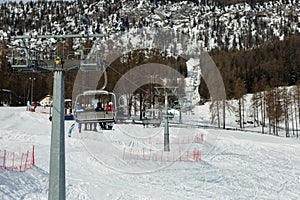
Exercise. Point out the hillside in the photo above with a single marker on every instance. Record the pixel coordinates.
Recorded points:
(238, 26)
(235, 34)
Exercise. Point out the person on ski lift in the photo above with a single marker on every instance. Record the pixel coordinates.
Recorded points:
(109, 106)
(99, 106)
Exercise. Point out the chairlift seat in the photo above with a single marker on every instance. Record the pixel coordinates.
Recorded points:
(19, 66)
(154, 121)
(169, 115)
(89, 67)
(151, 121)
(91, 115)
(95, 116)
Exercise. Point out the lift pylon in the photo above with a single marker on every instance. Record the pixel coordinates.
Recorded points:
(57, 149)
(166, 91)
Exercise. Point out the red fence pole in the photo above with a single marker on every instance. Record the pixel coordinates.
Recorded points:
(21, 162)
(13, 160)
(179, 154)
(197, 155)
(26, 160)
(32, 156)
(4, 159)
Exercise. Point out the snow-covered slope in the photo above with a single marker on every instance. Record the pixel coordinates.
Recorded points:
(215, 26)
(234, 165)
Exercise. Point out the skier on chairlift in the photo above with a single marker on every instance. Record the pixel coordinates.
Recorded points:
(109, 106)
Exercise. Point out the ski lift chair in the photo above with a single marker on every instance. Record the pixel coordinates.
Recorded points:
(107, 117)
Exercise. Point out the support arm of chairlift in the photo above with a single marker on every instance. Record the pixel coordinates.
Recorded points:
(97, 64)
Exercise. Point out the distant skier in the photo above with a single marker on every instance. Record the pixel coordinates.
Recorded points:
(99, 107)
(34, 107)
(28, 106)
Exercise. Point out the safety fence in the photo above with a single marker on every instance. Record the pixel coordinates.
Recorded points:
(179, 140)
(163, 156)
(16, 161)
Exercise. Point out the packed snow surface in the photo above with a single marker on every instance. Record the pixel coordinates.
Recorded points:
(234, 164)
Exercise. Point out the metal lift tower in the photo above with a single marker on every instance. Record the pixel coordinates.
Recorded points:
(166, 92)
(59, 66)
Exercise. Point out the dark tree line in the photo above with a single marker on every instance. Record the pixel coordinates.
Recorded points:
(250, 59)
(265, 72)
(271, 65)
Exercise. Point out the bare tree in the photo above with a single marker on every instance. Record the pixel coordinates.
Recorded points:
(278, 108)
(271, 103)
(254, 100)
(292, 105)
(224, 113)
(262, 97)
(215, 112)
(297, 104)
(240, 90)
(218, 110)
(286, 101)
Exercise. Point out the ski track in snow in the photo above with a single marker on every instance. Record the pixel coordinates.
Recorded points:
(234, 165)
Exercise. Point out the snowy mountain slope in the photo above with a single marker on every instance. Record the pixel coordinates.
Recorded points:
(234, 165)
(232, 26)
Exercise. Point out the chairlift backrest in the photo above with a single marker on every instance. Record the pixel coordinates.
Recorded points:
(90, 67)
(90, 62)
